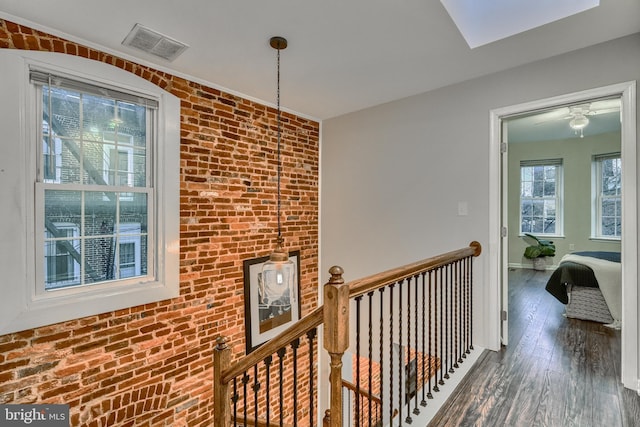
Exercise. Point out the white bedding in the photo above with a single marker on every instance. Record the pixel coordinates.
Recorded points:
(609, 277)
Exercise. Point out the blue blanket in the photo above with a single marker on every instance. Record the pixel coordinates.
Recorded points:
(608, 256)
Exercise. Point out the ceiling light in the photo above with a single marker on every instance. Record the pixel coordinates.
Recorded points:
(578, 123)
(278, 271)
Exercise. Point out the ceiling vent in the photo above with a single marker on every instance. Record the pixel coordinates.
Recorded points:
(152, 42)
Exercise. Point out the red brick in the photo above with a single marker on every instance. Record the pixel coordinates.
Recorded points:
(107, 362)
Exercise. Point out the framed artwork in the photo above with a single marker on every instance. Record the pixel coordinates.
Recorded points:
(267, 317)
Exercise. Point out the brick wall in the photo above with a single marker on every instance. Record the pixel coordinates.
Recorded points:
(152, 365)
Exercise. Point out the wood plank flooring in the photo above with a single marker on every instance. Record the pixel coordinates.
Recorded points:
(554, 372)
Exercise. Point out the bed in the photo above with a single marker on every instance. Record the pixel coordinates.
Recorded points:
(590, 284)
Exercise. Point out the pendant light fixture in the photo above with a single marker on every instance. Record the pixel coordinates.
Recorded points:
(278, 271)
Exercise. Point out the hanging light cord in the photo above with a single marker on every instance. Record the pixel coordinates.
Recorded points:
(278, 126)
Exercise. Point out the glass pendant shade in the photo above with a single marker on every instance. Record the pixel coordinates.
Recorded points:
(277, 288)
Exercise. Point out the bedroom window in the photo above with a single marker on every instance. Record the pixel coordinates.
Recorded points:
(607, 197)
(541, 197)
(91, 174)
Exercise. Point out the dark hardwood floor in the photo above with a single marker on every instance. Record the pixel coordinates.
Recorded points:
(554, 372)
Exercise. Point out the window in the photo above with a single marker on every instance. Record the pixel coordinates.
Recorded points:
(97, 186)
(92, 225)
(541, 197)
(607, 196)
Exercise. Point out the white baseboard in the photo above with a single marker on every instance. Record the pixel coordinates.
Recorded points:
(439, 398)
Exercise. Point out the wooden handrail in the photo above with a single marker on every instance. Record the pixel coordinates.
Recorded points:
(304, 325)
(375, 281)
(351, 386)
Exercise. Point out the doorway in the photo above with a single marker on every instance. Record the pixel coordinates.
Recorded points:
(499, 212)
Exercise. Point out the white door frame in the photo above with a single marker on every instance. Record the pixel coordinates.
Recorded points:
(497, 245)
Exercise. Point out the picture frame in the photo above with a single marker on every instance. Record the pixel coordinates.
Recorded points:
(264, 321)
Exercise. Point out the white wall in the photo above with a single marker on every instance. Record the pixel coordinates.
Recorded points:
(393, 175)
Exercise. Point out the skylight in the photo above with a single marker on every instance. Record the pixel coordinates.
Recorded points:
(485, 21)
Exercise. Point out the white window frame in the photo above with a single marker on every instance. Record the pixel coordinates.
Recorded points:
(23, 305)
(597, 197)
(559, 196)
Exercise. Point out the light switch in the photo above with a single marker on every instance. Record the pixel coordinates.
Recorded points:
(463, 209)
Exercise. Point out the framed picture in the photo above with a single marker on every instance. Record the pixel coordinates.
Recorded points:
(265, 318)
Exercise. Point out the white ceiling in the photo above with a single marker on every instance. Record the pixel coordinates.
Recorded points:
(343, 55)
(553, 124)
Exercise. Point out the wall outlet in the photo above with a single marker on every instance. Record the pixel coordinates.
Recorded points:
(572, 246)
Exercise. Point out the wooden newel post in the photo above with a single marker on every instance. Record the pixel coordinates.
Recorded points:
(336, 337)
(221, 408)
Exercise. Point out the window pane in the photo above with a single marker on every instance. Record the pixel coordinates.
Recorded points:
(608, 226)
(609, 207)
(62, 267)
(538, 173)
(62, 108)
(134, 210)
(61, 207)
(538, 208)
(99, 114)
(549, 188)
(537, 226)
(139, 167)
(100, 212)
(538, 188)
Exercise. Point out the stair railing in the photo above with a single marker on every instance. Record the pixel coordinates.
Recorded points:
(429, 300)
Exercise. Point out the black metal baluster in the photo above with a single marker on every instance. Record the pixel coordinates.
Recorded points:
(234, 399)
(460, 312)
(294, 347)
(357, 393)
(267, 364)
(465, 330)
(447, 307)
(381, 408)
(423, 402)
(456, 284)
(431, 326)
(391, 287)
(400, 352)
(441, 321)
(245, 381)
(281, 352)
(451, 305)
(370, 385)
(256, 388)
(416, 411)
(408, 365)
(470, 284)
(311, 335)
